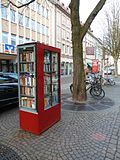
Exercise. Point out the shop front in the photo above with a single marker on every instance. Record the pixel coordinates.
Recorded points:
(8, 62)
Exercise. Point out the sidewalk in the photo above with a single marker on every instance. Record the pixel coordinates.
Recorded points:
(79, 135)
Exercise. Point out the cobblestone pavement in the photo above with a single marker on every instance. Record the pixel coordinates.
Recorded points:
(79, 135)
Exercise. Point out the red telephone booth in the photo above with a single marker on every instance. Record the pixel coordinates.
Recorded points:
(39, 86)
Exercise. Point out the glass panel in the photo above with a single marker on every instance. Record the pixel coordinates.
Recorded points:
(27, 77)
(51, 86)
(47, 80)
(55, 86)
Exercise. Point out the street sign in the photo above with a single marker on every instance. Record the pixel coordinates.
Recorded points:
(9, 47)
(90, 50)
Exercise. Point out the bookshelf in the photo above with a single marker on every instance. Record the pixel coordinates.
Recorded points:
(51, 87)
(39, 86)
(27, 79)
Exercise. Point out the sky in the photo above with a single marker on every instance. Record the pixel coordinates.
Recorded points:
(86, 6)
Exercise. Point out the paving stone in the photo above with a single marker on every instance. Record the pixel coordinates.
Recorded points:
(110, 155)
(117, 155)
(108, 159)
(80, 135)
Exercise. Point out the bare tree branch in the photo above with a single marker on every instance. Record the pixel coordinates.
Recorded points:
(112, 37)
(26, 4)
(92, 17)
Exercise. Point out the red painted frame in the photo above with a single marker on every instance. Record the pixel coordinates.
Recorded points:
(36, 123)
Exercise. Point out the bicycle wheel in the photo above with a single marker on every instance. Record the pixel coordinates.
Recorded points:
(71, 88)
(99, 95)
(112, 82)
(96, 90)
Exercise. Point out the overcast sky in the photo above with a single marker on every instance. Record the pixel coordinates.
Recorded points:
(86, 6)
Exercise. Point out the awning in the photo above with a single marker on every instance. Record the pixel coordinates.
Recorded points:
(7, 56)
(89, 65)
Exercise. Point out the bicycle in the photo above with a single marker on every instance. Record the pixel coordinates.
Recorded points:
(108, 81)
(95, 89)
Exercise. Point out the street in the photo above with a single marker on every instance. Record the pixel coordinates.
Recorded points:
(79, 135)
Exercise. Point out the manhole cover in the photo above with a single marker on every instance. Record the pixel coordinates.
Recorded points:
(7, 153)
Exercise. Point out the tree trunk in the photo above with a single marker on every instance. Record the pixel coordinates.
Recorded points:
(78, 33)
(79, 88)
(116, 68)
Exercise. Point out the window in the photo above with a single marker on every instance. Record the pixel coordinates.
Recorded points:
(33, 6)
(28, 39)
(43, 11)
(3, 12)
(38, 27)
(68, 35)
(43, 29)
(4, 37)
(12, 15)
(58, 45)
(63, 33)
(13, 40)
(63, 20)
(20, 40)
(38, 8)
(67, 49)
(33, 25)
(58, 33)
(47, 31)
(63, 48)
(46, 13)
(27, 22)
(20, 19)
(58, 19)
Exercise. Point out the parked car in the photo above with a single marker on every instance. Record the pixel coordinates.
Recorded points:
(8, 89)
(12, 77)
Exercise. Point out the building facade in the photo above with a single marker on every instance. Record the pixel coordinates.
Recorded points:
(63, 37)
(46, 21)
(27, 24)
(92, 48)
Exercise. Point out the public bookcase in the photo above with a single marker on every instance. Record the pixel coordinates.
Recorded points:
(39, 86)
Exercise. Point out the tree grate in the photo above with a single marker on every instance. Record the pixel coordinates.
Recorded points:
(7, 153)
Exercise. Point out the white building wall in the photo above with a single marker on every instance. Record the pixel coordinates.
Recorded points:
(118, 66)
(91, 41)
